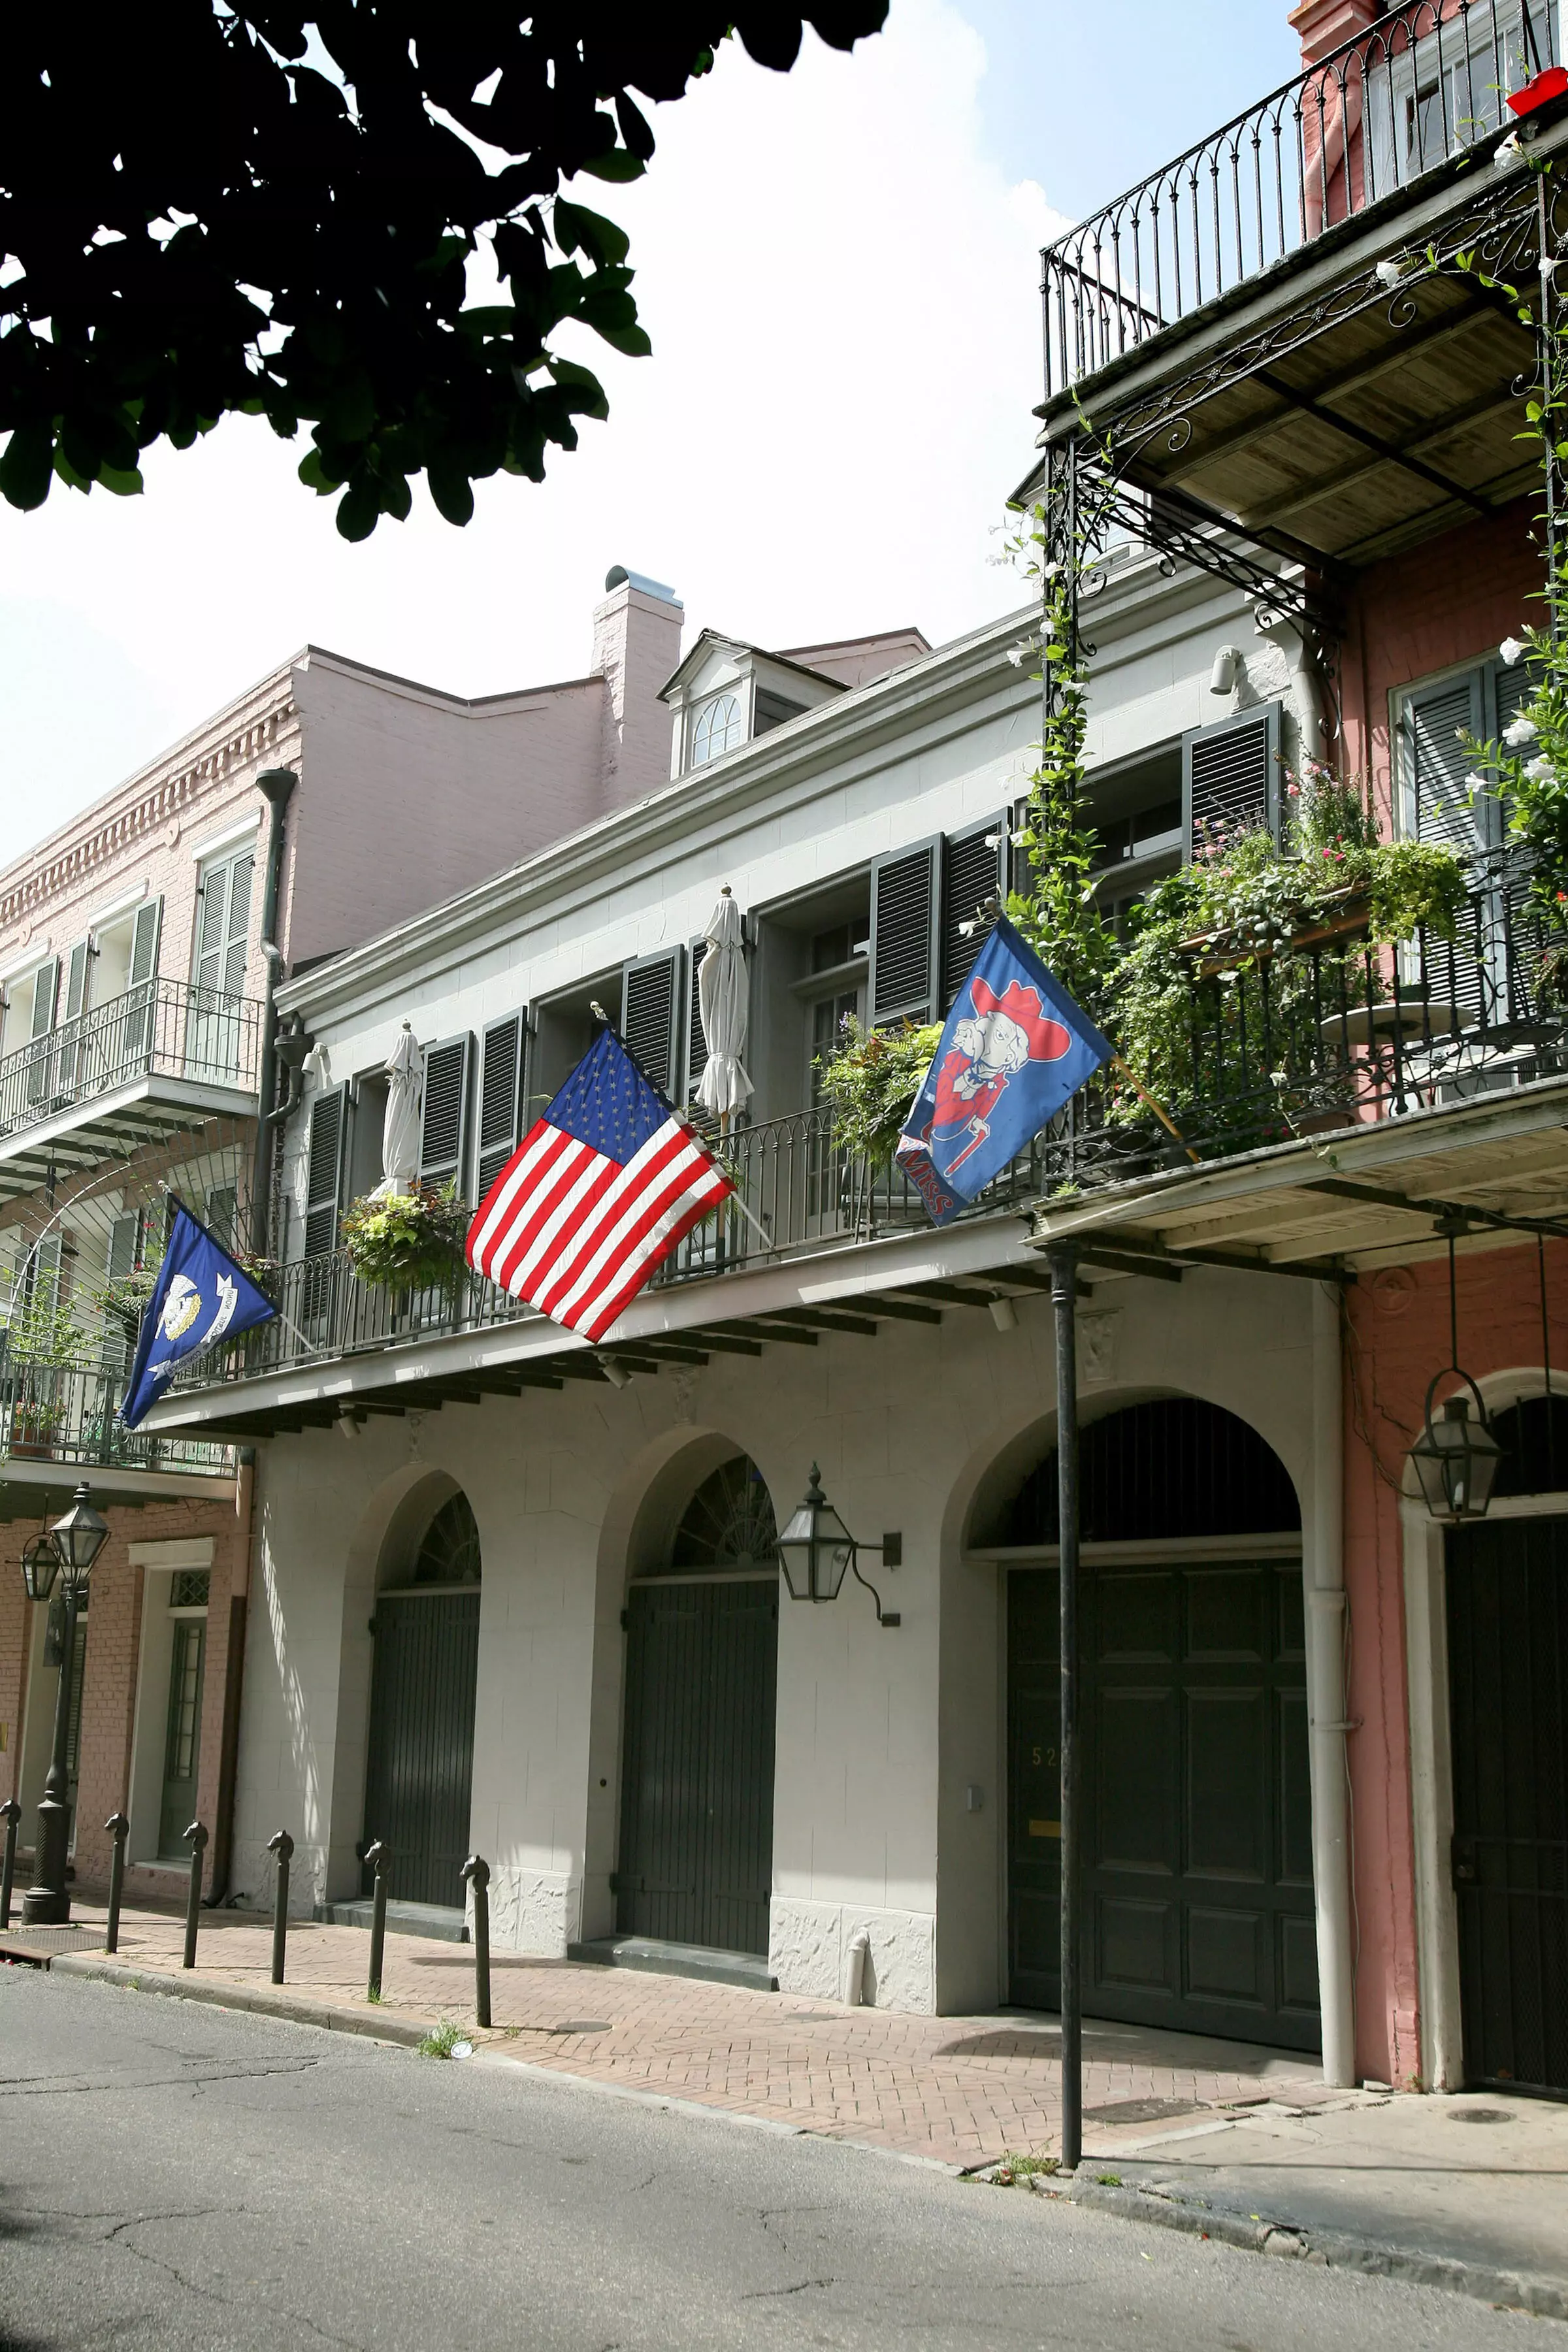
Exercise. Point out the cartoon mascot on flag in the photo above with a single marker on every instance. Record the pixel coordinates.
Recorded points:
(1014, 1049)
(1003, 1035)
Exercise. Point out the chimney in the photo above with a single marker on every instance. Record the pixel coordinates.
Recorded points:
(1321, 26)
(636, 645)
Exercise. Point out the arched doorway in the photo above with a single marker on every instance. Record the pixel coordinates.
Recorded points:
(420, 1764)
(697, 1768)
(1507, 1584)
(1198, 1909)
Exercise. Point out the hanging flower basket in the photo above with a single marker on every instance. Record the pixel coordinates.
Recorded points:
(407, 1241)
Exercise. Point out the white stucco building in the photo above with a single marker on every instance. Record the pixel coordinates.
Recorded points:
(662, 1758)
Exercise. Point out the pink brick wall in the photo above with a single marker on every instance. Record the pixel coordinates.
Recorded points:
(1398, 1336)
(1452, 600)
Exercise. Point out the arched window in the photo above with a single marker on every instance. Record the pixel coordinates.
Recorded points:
(729, 1522)
(1533, 1435)
(718, 730)
(450, 1551)
(1174, 1467)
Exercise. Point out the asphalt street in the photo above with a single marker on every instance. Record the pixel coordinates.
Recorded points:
(177, 2176)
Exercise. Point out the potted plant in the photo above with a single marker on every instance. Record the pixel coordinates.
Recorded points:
(407, 1241)
(870, 1083)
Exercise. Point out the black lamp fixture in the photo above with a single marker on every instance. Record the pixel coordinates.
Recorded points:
(79, 1538)
(67, 1551)
(1455, 1458)
(40, 1565)
(816, 1549)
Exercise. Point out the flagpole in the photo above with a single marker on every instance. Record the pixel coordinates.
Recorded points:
(1163, 1116)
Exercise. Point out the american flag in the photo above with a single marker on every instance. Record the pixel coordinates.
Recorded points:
(600, 1189)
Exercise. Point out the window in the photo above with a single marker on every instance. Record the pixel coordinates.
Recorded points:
(1437, 803)
(719, 728)
(1446, 91)
(223, 926)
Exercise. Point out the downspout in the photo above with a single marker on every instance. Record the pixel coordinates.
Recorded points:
(275, 784)
(1323, 1572)
(1305, 688)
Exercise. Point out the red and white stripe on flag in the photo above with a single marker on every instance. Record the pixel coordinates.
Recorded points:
(576, 1234)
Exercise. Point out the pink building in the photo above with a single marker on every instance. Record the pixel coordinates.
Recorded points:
(139, 948)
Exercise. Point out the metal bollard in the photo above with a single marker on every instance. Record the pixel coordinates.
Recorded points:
(375, 1856)
(118, 1829)
(477, 1871)
(10, 1813)
(197, 1836)
(283, 1846)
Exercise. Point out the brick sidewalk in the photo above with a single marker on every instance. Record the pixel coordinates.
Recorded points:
(959, 2089)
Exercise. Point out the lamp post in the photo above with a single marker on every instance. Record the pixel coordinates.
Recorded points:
(817, 1551)
(69, 1551)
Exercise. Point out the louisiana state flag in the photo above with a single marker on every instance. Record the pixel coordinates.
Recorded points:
(201, 1296)
(1014, 1049)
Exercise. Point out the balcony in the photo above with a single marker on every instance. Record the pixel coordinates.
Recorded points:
(58, 1425)
(1288, 1068)
(130, 1072)
(1275, 332)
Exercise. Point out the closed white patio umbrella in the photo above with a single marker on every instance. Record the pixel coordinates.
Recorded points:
(404, 1125)
(722, 996)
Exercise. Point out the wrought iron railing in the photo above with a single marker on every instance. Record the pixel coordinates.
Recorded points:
(1301, 1036)
(66, 1414)
(161, 1027)
(1424, 81)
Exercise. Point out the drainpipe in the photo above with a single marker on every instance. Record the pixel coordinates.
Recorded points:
(275, 784)
(1323, 1570)
(1306, 687)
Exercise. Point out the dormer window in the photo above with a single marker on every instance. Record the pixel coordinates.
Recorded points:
(719, 726)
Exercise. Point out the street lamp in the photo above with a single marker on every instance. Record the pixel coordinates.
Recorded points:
(67, 1551)
(815, 1549)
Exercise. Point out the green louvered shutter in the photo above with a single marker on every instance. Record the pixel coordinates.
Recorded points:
(443, 1142)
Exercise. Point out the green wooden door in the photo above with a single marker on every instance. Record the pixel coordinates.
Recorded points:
(183, 1734)
(1197, 1889)
(420, 1766)
(697, 1788)
(1508, 1678)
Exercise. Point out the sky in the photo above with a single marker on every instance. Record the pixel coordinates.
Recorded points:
(838, 269)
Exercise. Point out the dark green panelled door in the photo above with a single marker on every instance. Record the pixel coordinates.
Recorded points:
(183, 1734)
(1198, 1875)
(697, 1790)
(1508, 1677)
(419, 1773)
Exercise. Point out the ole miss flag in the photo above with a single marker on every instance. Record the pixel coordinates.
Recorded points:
(1014, 1049)
(597, 1193)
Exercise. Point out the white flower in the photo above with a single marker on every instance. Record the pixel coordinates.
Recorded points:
(1049, 570)
(1539, 770)
(1478, 783)
(1510, 650)
(1388, 273)
(1522, 732)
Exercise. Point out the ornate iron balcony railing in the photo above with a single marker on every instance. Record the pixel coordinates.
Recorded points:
(162, 1028)
(1424, 81)
(64, 1414)
(1326, 1031)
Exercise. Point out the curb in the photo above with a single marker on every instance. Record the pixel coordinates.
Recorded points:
(376, 2024)
(1542, 2299)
